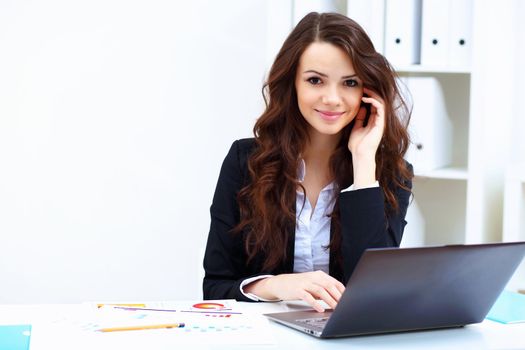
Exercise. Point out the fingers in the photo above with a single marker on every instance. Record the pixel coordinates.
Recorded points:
(332, 286)
(372, 94)
(308, 286)
(375, 100)
(378, 110)
(337, 291)
(340, 287)
(360, 117)
(326, 288)
(311, 301)
(322, 293)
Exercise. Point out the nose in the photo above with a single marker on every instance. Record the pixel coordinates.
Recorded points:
(331, 96)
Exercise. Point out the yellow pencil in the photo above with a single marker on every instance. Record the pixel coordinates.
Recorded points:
(125, 304)
(138, 328)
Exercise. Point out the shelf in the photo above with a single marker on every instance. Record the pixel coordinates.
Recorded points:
(451, 173)
(437, 214)
(416, 68)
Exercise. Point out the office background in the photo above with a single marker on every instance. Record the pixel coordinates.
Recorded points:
(115, 117)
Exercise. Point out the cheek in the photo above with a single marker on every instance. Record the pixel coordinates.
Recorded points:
(305, 98)
(354, 102)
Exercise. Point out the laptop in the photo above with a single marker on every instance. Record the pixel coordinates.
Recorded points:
(408, 289)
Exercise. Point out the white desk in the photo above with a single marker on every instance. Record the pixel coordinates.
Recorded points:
(486, 335)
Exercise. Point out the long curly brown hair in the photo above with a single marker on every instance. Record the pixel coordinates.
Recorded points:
(267, 202)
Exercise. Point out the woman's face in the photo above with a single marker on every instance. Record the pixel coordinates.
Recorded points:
(328, 90)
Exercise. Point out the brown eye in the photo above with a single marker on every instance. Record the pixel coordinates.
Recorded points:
(351, 82)
(314, 80)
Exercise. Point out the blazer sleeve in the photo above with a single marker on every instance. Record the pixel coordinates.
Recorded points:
(366, 224)
(225, 259)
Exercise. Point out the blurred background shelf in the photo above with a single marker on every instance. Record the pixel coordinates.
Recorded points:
(450, 173)
(417, 68)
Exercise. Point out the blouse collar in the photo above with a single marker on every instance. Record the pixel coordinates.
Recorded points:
(301, 171)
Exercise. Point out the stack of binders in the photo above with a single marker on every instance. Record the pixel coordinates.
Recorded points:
(446, 38)
(428, 32)
(403, 31)
(430, 126)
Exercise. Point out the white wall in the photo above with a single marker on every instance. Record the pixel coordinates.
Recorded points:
(114, 119)
(518, 147)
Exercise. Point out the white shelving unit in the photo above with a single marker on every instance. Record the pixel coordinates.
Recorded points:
(417, 68)
(449, 173)
(438, 213)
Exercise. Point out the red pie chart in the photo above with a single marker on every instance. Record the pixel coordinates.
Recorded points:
(209, 306)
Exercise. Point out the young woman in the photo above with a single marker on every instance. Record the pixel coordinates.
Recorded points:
(323, 179)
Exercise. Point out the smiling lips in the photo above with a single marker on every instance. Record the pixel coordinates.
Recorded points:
(329, 116)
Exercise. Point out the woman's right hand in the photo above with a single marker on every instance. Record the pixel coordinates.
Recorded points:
(307, 286)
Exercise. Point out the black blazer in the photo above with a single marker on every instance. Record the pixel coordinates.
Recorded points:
(364, 224)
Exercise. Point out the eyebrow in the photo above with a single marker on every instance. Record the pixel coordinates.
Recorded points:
(326, 76)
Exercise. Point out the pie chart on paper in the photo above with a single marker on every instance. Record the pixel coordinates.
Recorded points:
(209, 306)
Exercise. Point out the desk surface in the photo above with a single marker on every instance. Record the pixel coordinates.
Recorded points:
(486, 335)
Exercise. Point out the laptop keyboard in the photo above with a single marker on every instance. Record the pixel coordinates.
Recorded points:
(318, 322)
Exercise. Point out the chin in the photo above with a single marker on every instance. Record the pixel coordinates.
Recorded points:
(330, 131)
